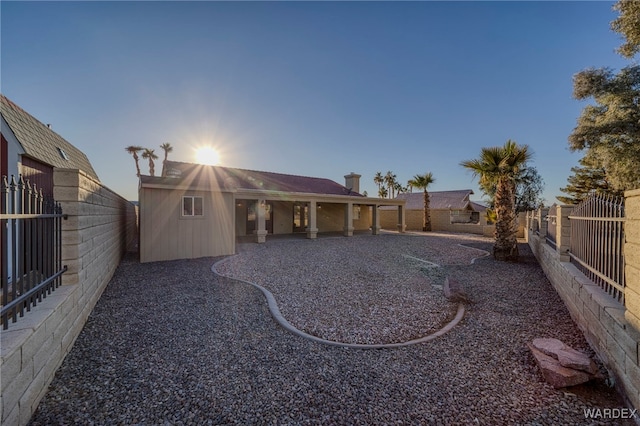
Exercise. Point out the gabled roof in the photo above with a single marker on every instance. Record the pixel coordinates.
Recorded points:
(42, 143)
(478, 207)
(228, 178)
(438, 200)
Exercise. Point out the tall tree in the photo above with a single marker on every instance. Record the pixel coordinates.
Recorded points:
(588, 178)
(500, 166)
(134, 150)
(382, 192)
(167, 148)
(423, 182)
(610, 129)
(628, 25)
(150, 155)
(378, 179)
(528, 190)
(409, 186)
(390, 180)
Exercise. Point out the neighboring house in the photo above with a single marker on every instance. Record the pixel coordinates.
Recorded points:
(451, 211)
(32, 149)
(195, 210)
(448, 210)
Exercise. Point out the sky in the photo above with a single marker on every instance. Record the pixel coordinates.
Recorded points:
(308, 88)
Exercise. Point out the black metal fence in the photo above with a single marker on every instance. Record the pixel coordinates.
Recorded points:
(31, 248)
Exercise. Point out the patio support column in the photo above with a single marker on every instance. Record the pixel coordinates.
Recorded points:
(375, 220)
(348, 220)
(261, 232)
(312, 229)
(401, 219)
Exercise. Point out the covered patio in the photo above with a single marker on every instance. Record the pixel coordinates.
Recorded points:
(262, 213)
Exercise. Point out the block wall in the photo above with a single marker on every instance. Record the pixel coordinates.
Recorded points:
(441, 222)
(610, 327)
(100, 228)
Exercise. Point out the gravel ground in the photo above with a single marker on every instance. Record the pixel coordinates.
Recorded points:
(355, 292)
(172, 343)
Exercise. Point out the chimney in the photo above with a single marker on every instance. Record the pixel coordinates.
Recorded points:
(352, 181)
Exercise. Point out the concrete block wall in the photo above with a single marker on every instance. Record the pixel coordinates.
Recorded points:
(611, 328)
(101, 226)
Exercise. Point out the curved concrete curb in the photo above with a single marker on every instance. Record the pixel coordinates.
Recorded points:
(486, 253)
(275, 312)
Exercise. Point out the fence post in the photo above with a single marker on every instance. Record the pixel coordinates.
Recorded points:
(542, 222)
(632, 257)
(563, 232)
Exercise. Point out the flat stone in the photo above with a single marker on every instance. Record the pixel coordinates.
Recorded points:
(453, 291)
(566, 355)
(555, 374)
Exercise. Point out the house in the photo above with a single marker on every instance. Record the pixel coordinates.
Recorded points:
(448, 210)
(196, 210)
(31, 149)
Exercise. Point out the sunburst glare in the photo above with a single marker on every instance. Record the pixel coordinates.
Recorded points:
(207, 155)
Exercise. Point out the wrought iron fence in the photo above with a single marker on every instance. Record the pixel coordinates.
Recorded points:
(31, 248)
(552, 229)
(597, 241)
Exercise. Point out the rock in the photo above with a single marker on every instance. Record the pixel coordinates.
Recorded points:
(566, 355)
(555, 374)
(454, 292)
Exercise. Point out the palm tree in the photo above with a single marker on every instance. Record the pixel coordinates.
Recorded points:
(409, 186)
(134, 150)
(423, 182)
(167, 148)
(149, 153)
(378, 179)
(382, 192)
(398, 188)
(389, 180)
(499, 166)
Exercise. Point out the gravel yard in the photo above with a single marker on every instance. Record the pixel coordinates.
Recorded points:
(173, 343)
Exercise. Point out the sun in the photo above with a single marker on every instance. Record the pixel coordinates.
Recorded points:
(207, 155)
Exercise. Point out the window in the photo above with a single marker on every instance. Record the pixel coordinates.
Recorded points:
(62, 154)
(356, 212)
(192, 206)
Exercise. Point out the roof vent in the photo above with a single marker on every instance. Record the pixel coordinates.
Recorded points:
(62, 154)
(174, 173)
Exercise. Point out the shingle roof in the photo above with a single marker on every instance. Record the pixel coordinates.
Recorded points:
(478, 207)
(232, 178)
(42, 143)
(438, 200)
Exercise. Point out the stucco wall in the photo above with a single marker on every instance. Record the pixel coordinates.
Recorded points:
(166, 235)
(100, 227)
(330, 218)
(282, 217)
